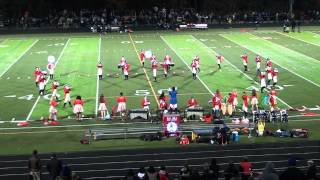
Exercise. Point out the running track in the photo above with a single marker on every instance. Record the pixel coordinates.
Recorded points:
(114, 164)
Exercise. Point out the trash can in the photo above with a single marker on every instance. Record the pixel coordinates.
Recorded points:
(235, 136)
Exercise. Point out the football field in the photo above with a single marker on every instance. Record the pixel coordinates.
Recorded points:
(296, 55)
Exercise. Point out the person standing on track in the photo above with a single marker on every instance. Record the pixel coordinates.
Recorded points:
(34, 165)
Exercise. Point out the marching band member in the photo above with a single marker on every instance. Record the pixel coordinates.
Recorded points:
(153, 57)
(126, 69)
(121, 100)
(142, 57)
(197, 62)
(192, 102)
(37, 74)
(235, 99)
(220, 59)
(50, 68)
(269, 74)
(275, 76)
(42, 83)
(54, 86)
(67, 99)
(78, 108)
(165, 69)
(194, 69)
(123, 61)
(230, 104)
(162, 101)
(154, 67)
(145, 103)
(258, 62)
(245, 103)
(254, 100)
(216, 104)
(53, 111)
(262, 81)
(272, 103)
(245, 61)
(102, 106)
(99, 66)
(167, 60)
(269, 63)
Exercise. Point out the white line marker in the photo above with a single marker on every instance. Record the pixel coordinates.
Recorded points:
(18, 78)
(299, 39)
(10, 96)
(35, 103)
(97, 90)
(236, 68)
(287, 85)
(16, 60)
(29, 77)
(8, 77)
(186, 65)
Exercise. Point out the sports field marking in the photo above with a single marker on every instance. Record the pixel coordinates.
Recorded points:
(16, 60)
(97, 91)
(250, 49)
(144, 70)
(36, 102)
(236, 68)
(3, 41)
(299, 39)
(164, 40)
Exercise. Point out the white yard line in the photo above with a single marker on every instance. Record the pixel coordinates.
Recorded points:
(283, 34)
(97, 91)
(35, 104)
(236, 68)
(186, 64)
(4, 40)
(17, 59)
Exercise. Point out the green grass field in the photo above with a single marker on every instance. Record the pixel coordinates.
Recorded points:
(296, 55)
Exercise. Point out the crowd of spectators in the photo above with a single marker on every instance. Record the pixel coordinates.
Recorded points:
(241, 171)
(161, 17)
(56, 169)
(244, 170)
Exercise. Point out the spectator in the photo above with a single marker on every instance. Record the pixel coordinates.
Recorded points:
(54, 167)
(66, 173)
(269, 173)
(141, 175)
(214, 169)
(292, 173)
(152, 174)
(130, 175)
(34, 166)
(163, 174)
(245, 169)
(312, 171)
(231, 171)
(195, 175)
(185, 172)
